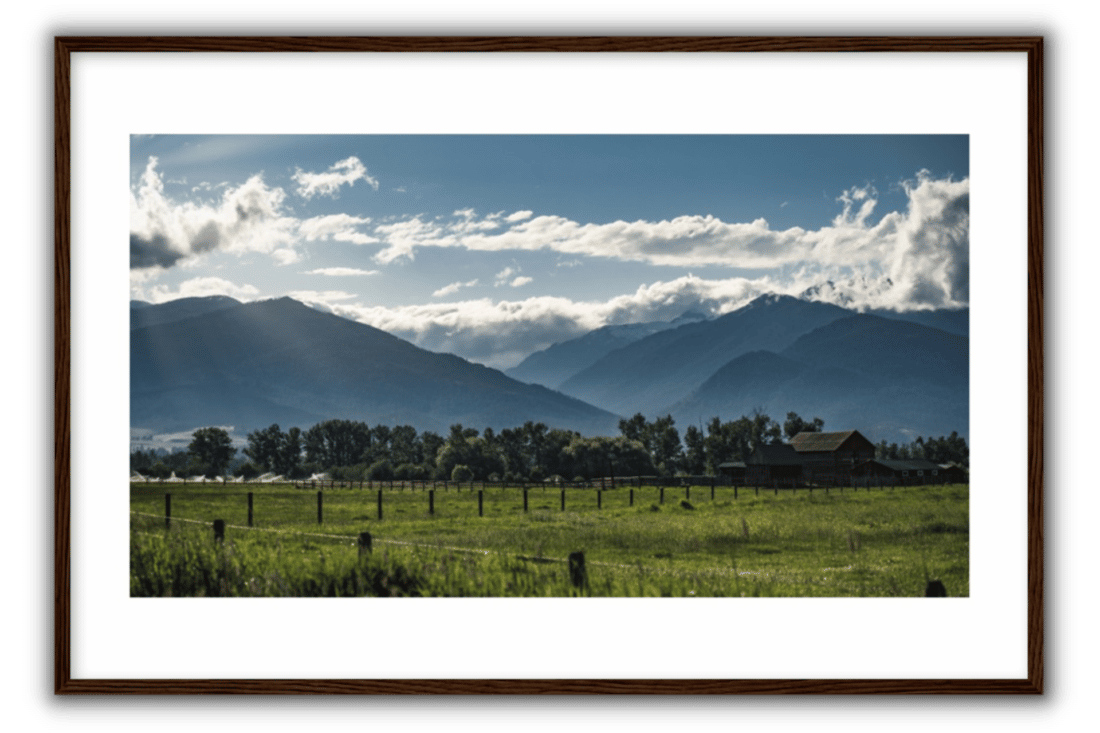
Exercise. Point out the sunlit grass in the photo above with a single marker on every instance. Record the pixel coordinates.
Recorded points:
(864, 543)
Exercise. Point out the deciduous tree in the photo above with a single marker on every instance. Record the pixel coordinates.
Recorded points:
(211, 448)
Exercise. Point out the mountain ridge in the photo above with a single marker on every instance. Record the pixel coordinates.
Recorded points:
(281, 358)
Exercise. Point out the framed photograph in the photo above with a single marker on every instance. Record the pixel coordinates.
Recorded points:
(999, 645)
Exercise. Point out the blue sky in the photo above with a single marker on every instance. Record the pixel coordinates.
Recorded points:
(495, 246)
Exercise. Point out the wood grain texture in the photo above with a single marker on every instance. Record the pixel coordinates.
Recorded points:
(565, 44)
(65, 46)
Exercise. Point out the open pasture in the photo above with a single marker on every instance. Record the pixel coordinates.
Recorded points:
(878, 542)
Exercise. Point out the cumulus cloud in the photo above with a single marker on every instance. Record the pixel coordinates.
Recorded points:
(339, 271)
(518, 216)
(328, 183)
(521, 281)
(931, 263)
(924, 250)
(916, 258)
(195, 288)
(247, 218)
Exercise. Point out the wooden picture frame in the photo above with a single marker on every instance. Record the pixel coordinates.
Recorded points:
(1030, 47)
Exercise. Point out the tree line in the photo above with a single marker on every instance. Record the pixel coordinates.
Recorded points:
(354, 450)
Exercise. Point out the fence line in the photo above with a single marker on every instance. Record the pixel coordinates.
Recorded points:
(471, 550)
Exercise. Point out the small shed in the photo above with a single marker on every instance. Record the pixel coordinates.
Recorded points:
(953, 474)
(902, 472)
(734, 470)
(776, 462)
(828, 458)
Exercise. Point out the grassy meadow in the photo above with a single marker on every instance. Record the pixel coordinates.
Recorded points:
(878, 542)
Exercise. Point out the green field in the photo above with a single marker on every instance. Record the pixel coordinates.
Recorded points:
(878, 542)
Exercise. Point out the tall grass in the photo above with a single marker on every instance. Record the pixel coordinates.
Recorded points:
(882, 543)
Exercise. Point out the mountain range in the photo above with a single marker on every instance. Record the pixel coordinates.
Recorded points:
(215, 361)
(554, 365)
(212, 362)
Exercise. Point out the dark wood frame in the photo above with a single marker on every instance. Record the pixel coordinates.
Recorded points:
(64, 684)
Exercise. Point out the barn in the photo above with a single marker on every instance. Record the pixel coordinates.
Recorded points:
(954, 474)
(734, 470)
(828, 458)
(778, 463)
(899, 472)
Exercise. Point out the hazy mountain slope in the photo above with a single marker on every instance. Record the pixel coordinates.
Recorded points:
(557, 363)
(659, 370)
(953, 321)
(889, 379)
(144, 314)
(281, 361)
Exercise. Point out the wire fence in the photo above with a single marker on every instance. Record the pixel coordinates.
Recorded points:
(353, 540)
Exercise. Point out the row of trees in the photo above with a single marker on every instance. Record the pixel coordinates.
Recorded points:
(209, 454)
(349, 449)
(949, 449)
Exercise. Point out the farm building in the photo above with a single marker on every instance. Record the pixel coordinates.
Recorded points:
(828, 458)
(778, 462)
(732, 469)
(954, 474)
(899, 472)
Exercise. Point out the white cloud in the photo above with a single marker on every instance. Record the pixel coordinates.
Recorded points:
(339, 271)
(924, 249)
(323, 298)
(285, 256)
(453, 288)
(502, 333)
(341, 227)
(521, 281)
(195, 288)
(346, 171)
(403, 237)
(248, 218)
(503, 276)
(518, 216)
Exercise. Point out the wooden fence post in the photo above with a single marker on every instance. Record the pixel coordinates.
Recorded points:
(935, 589)
(219, 530)
(480, 510)
(577, 573)
(380, 504)
(563, 500)
(249, 508)
(364, 544)
(662, 501)
(525, 500)
(687, 494)
(735, 492)
(319, 507)
(632, 497)
(599, 498)
(167, 511)
(431, 501)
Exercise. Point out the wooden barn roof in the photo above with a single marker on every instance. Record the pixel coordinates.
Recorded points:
(775, 454)
(807, 442)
